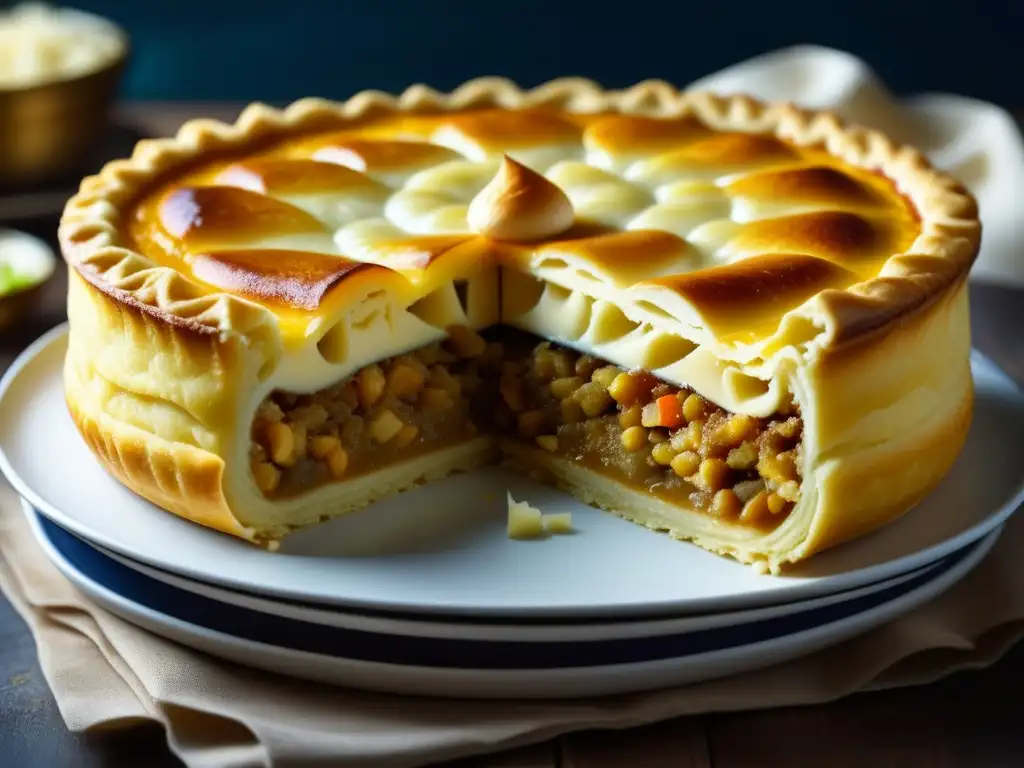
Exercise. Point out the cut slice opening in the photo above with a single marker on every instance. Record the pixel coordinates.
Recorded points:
(654, 437)
(386, 412)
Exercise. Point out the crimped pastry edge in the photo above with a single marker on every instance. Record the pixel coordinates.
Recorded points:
(94, 245)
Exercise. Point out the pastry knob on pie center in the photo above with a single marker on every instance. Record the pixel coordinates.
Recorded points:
(520, 205)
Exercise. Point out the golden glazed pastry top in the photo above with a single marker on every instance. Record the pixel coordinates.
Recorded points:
(721, 220)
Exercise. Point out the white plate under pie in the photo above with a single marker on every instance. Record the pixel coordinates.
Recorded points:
(486, 629)
(442, 548)
(480, 669)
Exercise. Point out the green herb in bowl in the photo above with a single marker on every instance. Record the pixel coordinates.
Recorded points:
(25, 264)
(11, 281)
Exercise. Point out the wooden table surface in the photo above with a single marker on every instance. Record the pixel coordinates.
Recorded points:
(969, 719)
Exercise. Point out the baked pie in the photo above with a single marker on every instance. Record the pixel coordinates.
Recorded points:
(742, 324)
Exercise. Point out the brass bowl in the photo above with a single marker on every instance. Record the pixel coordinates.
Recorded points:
(51, 129)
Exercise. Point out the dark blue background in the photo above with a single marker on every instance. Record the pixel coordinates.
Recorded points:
(277, 51)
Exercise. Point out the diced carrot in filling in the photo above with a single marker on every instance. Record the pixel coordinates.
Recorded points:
(626, 425)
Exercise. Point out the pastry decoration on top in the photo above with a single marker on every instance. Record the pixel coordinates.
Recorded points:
(520, 205)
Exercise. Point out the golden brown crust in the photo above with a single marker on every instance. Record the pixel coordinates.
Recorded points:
(298, 279)
(379, 154)
(92, 239)
(204, 216)
(786, 280)
(292, 176)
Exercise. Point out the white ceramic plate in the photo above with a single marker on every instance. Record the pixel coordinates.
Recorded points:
(482, 628)
(442, 548)
(467, 668)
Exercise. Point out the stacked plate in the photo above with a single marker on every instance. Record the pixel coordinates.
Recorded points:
(425, 594)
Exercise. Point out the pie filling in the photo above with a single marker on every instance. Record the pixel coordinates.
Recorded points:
(626, 425)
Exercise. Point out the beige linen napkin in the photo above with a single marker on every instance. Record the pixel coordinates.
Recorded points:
(105, 672)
